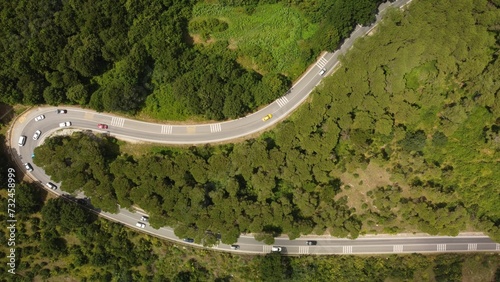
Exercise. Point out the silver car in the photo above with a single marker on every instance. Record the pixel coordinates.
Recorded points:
(37, 135)
(39, 118)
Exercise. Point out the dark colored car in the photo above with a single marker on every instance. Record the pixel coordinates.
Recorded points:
(311, 243)
(235, 247)
(102, 126)
(60, 111)
(188, 240)
(84, 201)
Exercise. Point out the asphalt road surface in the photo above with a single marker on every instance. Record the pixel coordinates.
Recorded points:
(216, 132)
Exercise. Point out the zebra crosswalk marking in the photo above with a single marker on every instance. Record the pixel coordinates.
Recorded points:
(303, 250)
(321, 63)
(282, 101)
(347, 249)
(471, 247)
(117, 121)
(166, 129)
(215, 127)
(266, 249)
(397, 248)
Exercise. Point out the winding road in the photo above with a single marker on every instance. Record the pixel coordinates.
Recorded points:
(128, 129)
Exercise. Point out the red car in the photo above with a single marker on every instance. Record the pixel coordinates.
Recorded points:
(102, 126)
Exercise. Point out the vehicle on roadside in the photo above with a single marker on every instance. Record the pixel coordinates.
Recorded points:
(28, 167)
(144, 218)
(39, 118)
(66, 123)
(140, 224)
(22, 140)
(311, 243)
(102, 126)
(84, 201)
(51, 185)
(61, 111)
(37, 135)
(235, 247)
(188, 240)
(267, 117)
(276, 249)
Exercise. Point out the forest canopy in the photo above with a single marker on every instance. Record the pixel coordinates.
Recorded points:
(403, 137)
(145, 56)
(60, 240)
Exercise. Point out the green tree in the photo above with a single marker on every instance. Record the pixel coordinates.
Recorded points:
(78, 94)
(448, 268)
(270, 267)
(53, 96)
(414, 141)
(28, 199)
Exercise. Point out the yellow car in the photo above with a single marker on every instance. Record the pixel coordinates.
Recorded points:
(267, 117)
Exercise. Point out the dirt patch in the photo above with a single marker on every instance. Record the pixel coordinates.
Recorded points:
(197, 39)
(357, 184)
(233, 45)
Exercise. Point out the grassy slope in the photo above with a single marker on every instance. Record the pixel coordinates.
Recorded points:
(274, 29)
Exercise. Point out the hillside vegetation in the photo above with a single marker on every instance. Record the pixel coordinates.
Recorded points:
(61, 241)
(138, 57)
(403, 137)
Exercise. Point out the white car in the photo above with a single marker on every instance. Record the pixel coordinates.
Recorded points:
(39, 118)
(28, 167)
(51, 185)
(276, 249)
(140, 224)
(63, 124)
(322, 71)
(144, 218)
(37, 135)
